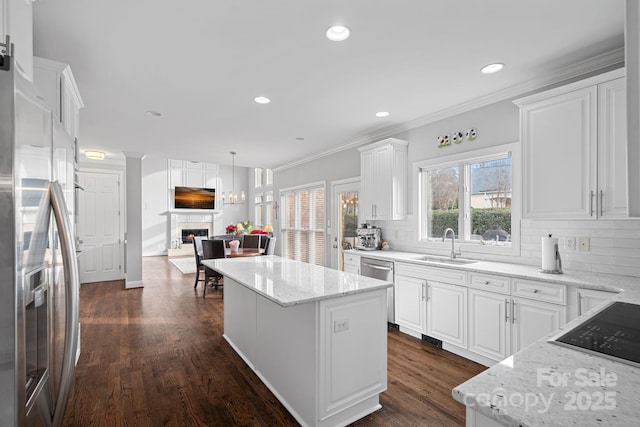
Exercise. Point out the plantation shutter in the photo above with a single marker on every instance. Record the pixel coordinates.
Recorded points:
(302, 224)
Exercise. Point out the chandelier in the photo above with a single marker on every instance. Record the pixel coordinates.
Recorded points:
(233, 198)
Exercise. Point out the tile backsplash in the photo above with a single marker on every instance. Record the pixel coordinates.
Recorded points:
(614, 244)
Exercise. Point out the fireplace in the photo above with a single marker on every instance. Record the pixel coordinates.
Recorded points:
(189, 233)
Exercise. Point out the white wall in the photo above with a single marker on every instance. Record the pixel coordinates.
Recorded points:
(615, 245)
(156, 203)
(155, 222)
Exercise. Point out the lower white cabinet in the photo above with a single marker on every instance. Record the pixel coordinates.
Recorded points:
(500, 325)
(410, 303)
(351, 263)
(489, 324)
(591, 298)
(447, 313)
(532, 320)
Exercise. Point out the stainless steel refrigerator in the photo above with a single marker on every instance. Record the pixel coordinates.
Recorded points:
(39, 286)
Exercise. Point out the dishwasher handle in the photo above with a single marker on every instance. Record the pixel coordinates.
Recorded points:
(377, 267)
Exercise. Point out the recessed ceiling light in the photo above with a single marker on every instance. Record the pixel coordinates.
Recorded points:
(492, 68)
(153, 113)
(382, 114)
(338, 33)
(94, 155)
(262, 100)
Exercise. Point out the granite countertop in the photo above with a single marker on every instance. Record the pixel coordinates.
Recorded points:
(586, 279)
(288, 282)
(546, 384)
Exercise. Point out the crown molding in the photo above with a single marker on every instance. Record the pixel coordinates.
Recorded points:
(599, 63)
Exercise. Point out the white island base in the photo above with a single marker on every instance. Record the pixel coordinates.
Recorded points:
(325, 360)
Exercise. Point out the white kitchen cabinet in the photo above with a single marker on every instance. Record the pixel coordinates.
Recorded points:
(185, 173)
(612, 149)
(351, 263)
(16, 21)
(57, 86)
(532, 320)
(383, 180)
(447, 312)
(591, 298)
(410, 303)
(574, 148)
(489, 324)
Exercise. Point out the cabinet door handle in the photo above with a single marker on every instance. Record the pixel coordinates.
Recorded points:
(601, 203)
(506, 310)
(591, 196)
(513, 312)
(422, 290)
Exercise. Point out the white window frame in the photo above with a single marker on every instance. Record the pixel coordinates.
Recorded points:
(467, 247)
(310, 186)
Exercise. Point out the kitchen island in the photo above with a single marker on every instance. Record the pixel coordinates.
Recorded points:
(315, 336)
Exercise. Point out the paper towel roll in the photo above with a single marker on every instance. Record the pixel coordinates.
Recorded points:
(549, 249)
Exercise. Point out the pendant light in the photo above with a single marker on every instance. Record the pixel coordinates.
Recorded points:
(233, 196)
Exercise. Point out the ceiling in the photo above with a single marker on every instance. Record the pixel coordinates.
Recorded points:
(201, 63)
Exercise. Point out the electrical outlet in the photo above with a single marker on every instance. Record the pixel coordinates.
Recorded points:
(584, 244)
(340, 325)
(570, 243)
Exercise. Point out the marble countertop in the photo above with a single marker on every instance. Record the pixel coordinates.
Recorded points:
(546, 384)
(586, 279)
(288, 282)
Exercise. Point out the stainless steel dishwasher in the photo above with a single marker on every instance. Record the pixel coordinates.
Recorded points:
(382, 270)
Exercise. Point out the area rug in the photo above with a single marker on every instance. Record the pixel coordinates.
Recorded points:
(186, 265)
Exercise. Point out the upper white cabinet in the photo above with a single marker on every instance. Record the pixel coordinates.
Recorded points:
(612, 149)
(186, 173)
(574, 144)
(16, 21)
(57, 86)
(383, 180)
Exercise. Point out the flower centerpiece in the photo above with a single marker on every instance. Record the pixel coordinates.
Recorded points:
(231, 229)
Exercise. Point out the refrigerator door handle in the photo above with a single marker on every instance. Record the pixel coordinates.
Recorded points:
(72, 293)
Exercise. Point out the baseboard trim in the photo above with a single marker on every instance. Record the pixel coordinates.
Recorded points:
(133, 284)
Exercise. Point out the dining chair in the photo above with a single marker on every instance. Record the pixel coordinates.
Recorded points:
(270, 246)
(251, 241)
(212, 249)
(197, 248)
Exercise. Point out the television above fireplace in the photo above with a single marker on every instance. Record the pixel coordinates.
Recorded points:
(194, 198)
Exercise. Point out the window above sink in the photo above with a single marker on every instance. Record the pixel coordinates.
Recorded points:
(477, 194)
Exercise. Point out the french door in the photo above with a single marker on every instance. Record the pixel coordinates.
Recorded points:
(344, 218)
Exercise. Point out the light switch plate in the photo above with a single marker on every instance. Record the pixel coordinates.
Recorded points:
(584, 244)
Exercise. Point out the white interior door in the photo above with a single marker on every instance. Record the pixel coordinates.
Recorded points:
(344, 217)
(100, 226)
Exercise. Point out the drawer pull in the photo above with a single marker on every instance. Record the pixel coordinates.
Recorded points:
(486, 282)
(535, 291)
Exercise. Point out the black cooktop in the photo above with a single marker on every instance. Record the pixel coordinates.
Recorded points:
(613, 332)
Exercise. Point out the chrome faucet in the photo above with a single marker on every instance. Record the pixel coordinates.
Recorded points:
(453, 242)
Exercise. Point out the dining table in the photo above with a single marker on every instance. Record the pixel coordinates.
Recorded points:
(242, 252)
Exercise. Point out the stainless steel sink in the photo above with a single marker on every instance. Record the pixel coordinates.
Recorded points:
(442, 260)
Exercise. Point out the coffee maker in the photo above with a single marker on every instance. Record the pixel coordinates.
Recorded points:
(368, 238)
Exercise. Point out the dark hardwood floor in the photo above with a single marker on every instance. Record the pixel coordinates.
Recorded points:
(156, 357)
